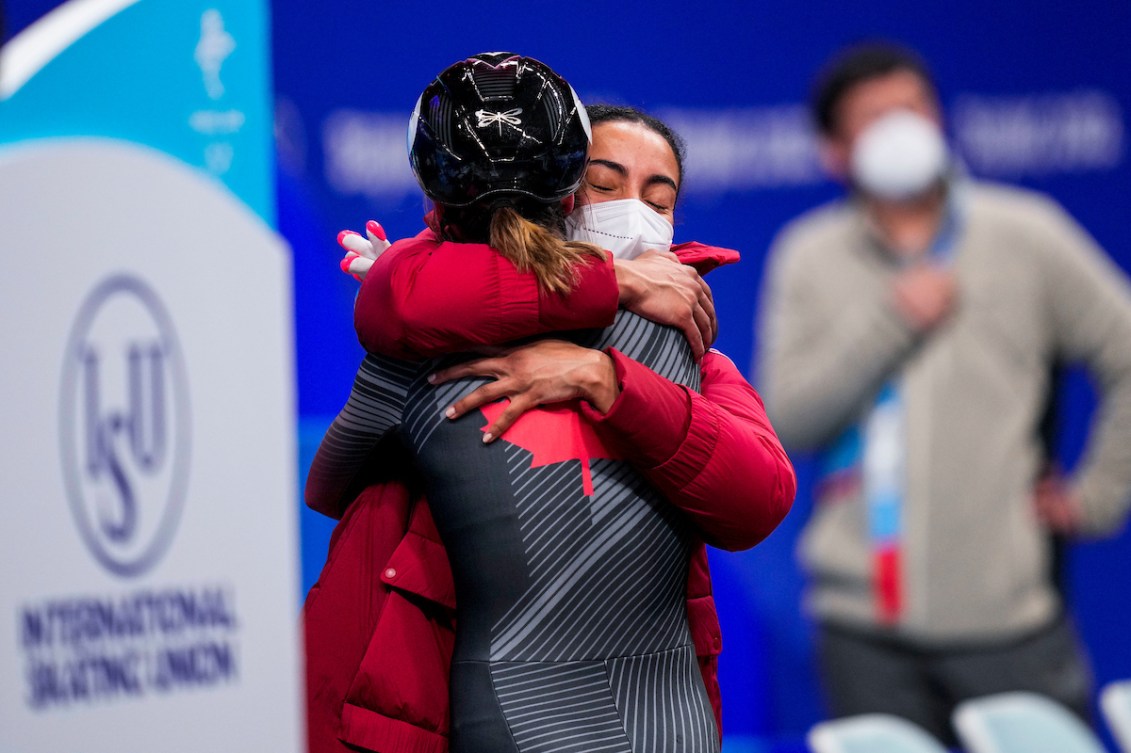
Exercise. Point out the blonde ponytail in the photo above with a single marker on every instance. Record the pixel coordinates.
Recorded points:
(532, 247)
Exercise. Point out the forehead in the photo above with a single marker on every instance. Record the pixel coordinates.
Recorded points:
(874, 96)
(636, 147)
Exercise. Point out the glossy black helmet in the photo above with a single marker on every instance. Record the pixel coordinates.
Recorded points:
(498, 124)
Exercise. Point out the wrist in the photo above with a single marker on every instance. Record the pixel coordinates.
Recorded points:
(627, 282)
(601, 388)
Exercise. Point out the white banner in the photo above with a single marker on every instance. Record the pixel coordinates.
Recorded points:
(148, 556)
(148, 549)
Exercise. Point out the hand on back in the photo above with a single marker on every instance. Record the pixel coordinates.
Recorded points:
(539, 373)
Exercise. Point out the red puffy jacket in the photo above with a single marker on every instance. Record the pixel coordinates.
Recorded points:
(379, 622)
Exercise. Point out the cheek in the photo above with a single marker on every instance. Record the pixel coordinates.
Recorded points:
(931, 113)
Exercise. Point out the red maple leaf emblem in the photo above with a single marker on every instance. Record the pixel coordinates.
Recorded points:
(553, 435)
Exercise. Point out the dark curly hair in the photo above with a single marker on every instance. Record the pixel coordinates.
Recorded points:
(622, 113)
(854, 65)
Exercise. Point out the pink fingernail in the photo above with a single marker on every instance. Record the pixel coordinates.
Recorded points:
(487, 438)
(450, 413)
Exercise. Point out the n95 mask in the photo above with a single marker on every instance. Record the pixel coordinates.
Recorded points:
(899, 157)
(627, 227)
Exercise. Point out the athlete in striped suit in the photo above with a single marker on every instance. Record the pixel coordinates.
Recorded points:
(572, 627)
(570, 570)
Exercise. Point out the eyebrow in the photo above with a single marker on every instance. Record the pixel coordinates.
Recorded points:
(620, 169)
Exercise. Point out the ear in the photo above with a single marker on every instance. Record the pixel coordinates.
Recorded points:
(568, 203)
(835, 157)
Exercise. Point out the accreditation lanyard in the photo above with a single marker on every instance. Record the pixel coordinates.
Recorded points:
(884, 461)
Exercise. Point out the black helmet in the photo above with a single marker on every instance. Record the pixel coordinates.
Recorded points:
(495, 124)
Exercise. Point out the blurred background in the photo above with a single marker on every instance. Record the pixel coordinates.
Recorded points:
(1036, 94)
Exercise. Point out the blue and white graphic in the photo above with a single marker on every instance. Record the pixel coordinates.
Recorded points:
(212, 50)
(124, 425)
(149, 545)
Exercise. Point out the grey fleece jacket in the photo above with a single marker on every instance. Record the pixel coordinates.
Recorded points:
(1034, 288)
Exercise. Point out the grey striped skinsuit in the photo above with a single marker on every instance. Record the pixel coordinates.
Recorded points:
(572, 628)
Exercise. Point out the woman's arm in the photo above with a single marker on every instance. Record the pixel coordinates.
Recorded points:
(680, 453)
(423, 297)
(714, 455)
(373, 410)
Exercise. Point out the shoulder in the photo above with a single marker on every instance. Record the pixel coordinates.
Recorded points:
(1026, 222)
(1013, 205)
(405, 248)
(426, 246)
(716, 360)
(717, 368)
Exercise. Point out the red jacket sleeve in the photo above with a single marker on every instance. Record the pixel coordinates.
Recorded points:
(424, 297)
(714, 455)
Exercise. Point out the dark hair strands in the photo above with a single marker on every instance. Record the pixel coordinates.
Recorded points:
(624, 114)
(855, 65)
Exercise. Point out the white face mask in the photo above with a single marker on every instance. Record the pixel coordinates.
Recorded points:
(627, 227)
(899, 157)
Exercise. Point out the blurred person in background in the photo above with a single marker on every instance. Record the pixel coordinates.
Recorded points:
(908, 332)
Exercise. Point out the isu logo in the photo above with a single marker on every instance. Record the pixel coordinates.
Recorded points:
(124, 425)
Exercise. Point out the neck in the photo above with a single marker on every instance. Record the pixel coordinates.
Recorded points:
(908, 227)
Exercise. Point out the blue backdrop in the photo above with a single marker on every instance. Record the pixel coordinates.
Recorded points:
(1037, 93)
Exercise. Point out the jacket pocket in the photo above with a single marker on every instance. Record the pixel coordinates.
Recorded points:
(419, 566)
(401, 687)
